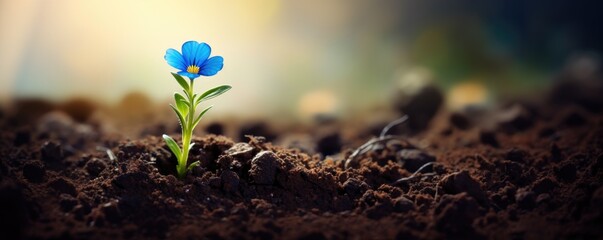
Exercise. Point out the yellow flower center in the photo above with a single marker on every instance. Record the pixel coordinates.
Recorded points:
(193, 69)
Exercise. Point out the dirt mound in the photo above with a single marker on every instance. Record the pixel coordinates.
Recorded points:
(66, 179)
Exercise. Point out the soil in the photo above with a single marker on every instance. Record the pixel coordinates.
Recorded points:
(536, 173)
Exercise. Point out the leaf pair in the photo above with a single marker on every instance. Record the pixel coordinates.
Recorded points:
(185, 109)
(174, 146)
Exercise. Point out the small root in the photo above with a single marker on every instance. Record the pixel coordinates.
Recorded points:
(110, 153)
(371, 144)
(415, 174)
(437, 186)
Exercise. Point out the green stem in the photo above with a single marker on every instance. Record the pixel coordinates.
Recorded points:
(187, 133)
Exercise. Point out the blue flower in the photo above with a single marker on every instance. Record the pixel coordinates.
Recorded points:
(194, 60)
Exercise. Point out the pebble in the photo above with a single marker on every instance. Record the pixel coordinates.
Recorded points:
(460, 121)
(329, 143)
(402, 204)
(355, 188)
(215, 128)
(230, 181)
(463, 182)
(95, 166)
(515, 119)
(62, 185)
(263, 168)
(420, 105)
(52, 152)
(67, 202)
(489, 138)
(240, 150)
(413, 159)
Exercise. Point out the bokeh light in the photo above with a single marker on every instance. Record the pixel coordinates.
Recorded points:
(277, 53)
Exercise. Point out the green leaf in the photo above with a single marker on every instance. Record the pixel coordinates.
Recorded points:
(194, 100)
(201, 115)
(180, 117)
(212, 93)
(173, 146)
(181, 81)
(181, 104)
(190, 167)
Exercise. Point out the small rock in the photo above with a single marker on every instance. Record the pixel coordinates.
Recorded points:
(79, 109)
(34, 171)
(55, 123)
(240, 150)
(329, 143)
(460, 121)
(263, 168)
(62, 185)
(95, 166)
(52, 152)
(215, 128)
(402, 204)
(413, 159)
(224, 162)
(463, 182)
(421, 105)
(67, 202)
(355, 188)
(525, 198)
(489, 138)
(230, 181)
(515, 119)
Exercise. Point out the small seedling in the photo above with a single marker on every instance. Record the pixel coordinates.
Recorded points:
(193, 62)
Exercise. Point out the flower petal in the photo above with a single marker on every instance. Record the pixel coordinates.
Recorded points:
(203, 51)
(187, 51)
(188, 75)
(174, 59)
(211, 66)
(195, 53)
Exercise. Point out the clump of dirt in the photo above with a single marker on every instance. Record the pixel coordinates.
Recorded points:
(61, 178)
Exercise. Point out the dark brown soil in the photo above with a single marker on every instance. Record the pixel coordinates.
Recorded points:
(536, 175)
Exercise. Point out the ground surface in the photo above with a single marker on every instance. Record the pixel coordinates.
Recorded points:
(535, 172)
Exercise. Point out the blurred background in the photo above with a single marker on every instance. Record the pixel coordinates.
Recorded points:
(296, 58)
